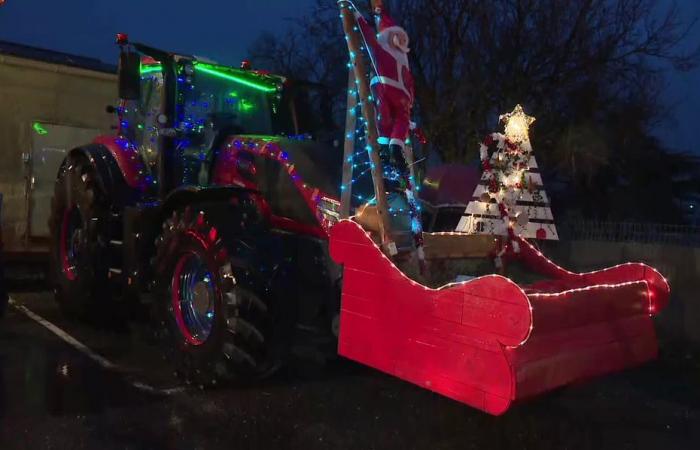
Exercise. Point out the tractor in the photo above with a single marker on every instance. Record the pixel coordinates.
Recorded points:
(219, 206)
(210, 207)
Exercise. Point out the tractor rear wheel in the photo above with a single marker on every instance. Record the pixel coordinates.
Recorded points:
(217, 320)
(78, 221)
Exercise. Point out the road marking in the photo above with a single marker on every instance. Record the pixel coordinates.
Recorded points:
(85, 350)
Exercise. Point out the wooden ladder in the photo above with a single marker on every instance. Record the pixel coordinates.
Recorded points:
(358, 85)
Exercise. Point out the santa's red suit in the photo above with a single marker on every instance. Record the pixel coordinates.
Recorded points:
(393, 85)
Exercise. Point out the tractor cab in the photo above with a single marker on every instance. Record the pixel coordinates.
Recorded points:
(178, 111)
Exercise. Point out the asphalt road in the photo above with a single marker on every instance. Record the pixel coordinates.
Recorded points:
(118, 393)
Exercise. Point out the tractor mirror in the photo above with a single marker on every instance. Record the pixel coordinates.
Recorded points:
(129, 76)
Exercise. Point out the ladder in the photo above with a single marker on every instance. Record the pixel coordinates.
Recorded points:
(358, 86)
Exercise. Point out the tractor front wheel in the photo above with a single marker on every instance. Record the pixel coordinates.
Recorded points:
(216, 321)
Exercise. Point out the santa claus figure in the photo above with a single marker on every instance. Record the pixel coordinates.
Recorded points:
(392, 88)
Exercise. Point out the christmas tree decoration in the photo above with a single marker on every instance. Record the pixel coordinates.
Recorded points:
(510, 199)
(517, 125)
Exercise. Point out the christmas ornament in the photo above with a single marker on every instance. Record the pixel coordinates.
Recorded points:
(511, 179)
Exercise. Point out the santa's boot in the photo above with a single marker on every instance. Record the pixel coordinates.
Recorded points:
(391, 180)
(399, 162)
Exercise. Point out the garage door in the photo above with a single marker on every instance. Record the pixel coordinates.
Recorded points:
(49, 146)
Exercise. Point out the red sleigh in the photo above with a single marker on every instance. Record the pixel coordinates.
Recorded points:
(489, 342)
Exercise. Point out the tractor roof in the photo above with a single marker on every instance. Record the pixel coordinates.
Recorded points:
(254, 78)
(258, 79)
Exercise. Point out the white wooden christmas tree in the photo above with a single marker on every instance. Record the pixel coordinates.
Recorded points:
(510, 195)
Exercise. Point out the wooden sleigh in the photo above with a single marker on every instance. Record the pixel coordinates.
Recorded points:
(489, 342)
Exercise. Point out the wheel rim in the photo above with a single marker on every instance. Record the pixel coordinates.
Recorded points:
(72, 235)
(193, 298)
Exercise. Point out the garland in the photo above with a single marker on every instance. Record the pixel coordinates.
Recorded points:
(506, 177)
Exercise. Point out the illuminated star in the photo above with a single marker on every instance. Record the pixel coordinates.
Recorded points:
(517, 124)
(517, 113)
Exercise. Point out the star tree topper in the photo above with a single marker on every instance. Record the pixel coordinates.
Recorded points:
(517, 125)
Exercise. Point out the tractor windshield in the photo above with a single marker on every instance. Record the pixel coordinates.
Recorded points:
(224, 99)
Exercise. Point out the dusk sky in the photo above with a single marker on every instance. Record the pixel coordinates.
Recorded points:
(222, 30)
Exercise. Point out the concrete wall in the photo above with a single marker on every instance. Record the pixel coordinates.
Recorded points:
(35, 91)
(680, 265)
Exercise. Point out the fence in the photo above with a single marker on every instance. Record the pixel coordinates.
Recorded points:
(630, 232)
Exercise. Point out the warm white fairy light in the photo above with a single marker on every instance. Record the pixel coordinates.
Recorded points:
(517, 125)
(584, 275)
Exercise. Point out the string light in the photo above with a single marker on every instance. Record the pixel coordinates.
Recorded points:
(39, 129)
(152, 68)
(231, 74)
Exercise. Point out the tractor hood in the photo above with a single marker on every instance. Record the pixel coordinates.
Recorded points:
(297, 178)
(318, 164)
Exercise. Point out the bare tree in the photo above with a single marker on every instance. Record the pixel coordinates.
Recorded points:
(564, 59)
(311, 50)
(583, 67)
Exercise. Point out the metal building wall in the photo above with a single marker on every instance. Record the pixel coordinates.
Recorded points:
(38, 92)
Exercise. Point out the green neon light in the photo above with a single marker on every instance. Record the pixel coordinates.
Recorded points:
(150, 69)
(212, 70)
(39, 128)
(246, 105)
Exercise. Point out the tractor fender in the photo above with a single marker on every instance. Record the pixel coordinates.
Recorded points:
(277, 268)
(128, 159)
(110, 175)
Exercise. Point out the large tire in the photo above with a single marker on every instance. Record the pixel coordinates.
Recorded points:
(78, 223)
(218, 319)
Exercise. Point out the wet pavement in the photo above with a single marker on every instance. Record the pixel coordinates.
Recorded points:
(53, 396)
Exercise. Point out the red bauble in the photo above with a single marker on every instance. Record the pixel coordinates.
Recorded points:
(541, 233)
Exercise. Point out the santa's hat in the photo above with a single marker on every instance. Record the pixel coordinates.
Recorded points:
(385, 24)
